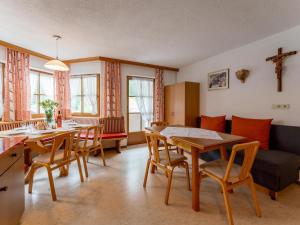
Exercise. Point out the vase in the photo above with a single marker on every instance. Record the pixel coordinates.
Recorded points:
(49, 116)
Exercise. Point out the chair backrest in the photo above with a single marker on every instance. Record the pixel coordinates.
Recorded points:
(153, 141)
(159, 123)
(94, 133)
(59, 141)
(113, 125)
(16, 124)
(249, 150)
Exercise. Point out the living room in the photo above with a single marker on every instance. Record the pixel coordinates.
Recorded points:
(139, 112)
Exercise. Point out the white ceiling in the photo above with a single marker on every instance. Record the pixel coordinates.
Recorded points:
(166, 32)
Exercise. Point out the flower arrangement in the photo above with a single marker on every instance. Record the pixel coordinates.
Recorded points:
(49, 106)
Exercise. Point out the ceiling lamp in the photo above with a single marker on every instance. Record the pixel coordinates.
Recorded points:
(56, 64)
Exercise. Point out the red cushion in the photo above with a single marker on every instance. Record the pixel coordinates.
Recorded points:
(252, 129)
(216, 123)
(114, 135)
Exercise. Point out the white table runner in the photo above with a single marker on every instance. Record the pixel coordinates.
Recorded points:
(190, 132)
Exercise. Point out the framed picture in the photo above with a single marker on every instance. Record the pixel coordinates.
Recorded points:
(218, 80)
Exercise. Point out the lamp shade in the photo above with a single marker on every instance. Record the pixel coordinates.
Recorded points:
(57, 65)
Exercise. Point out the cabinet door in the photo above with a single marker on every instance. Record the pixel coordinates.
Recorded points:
(179, 104)
(12, 194)
(192, 103)
(169, 104)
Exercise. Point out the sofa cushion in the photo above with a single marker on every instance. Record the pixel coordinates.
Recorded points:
(114, 136)
(274, 169)
(252, 129)
(216, 123)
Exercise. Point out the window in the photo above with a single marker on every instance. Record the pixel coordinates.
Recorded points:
(85, 92)
(2, 69)
(140, 103)
(41, 88)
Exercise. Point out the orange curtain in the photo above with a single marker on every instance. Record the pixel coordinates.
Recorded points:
(16, 86)
(159, 95)
(112, 89)
(62, 93)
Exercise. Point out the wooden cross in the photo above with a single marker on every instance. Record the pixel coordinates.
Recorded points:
(278, 59)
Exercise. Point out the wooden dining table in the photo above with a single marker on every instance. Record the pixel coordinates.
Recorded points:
(39, 135)
(196, 146)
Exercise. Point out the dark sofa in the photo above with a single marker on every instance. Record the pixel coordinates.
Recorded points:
(276, 168)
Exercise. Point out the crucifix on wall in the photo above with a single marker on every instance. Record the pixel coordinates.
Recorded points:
(278, 59)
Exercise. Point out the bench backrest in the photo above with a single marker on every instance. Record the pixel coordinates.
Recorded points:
(283, 138)
(16, 124)
(113, 125)
(86, 120)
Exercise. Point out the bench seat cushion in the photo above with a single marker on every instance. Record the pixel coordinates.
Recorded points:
(107, 136)
(274, 169)
(114, 136)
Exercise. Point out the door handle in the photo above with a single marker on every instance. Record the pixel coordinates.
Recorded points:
(13, 155)
(4, 188)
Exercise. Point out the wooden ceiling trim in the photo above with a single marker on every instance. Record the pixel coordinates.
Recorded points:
(122, 61)
(18, 48)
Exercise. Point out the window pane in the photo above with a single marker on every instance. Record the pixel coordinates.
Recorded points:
(135, 122)
(141, 103)
(76, 104)
(46, 88)
(75, 87)
(34, 78)
(90, 94)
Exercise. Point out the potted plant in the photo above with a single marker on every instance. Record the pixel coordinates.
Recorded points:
(49, 105)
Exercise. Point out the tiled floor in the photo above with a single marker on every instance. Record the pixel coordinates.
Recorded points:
(114, 195)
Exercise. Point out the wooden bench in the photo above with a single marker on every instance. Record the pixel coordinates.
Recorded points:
(114, 128)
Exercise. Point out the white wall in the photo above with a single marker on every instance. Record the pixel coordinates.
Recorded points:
(255, 97)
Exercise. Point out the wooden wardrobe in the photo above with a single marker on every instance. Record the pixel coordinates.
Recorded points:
(182, 103)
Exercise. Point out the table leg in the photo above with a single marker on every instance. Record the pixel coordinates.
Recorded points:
(195, 179)
(223, 152)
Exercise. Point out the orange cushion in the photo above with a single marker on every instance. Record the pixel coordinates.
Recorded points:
(216, 123)
(252, 129)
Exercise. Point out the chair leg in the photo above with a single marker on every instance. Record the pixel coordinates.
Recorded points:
(51, 182)
(170, 175)
(79, 167)
(188, 176)
(31, 176)
(227, 205)
(85, 164)
(102, 155)
(146, 173)
(255, 201)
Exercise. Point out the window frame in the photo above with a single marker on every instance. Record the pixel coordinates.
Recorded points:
(130, 77)
(82, 113)
(39, 72)
(3, 91)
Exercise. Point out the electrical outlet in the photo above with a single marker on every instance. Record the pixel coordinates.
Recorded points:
(281, 106)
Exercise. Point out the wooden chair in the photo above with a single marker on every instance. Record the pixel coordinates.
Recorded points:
(159, 123)
(230, 175)
(92, 142)
(15, 124)
(165, 160)
(57, 156)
